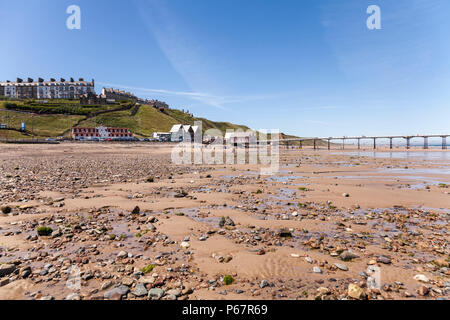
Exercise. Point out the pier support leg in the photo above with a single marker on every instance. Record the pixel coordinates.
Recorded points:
(359, 144)
(444, 143)
(315, 146)
(374, 143)
(390, 143)
(300, 144)
(408, 143)
(343, 144)
(425, 142)
(329, 146)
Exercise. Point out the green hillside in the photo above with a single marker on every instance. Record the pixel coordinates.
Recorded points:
(47, 121)
(42, 125)
(10, 134)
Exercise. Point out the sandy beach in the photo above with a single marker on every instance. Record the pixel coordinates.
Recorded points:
(128, 224)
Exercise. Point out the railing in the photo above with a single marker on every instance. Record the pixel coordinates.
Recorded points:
(28, 141)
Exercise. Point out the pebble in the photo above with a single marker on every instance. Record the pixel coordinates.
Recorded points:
(355, 292)
(25, 272)
(122, 255)
(43, 272)
(6, 269)
(384, 260)
(127, 281)
(185, 244)
(174, 292)
(421, 278)
(107, 285)
(348, 256)
(423, 291)
(156, 293)
(317, 270)
(140, 290)
(117, 293)
(341, 266)
(73, 296)
(263, 284)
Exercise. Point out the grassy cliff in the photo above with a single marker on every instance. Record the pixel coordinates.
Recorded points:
(56, 118)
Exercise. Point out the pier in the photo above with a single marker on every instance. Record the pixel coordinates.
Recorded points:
(374, 139)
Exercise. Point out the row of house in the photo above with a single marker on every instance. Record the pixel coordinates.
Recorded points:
(116, 94)
(111, 94)
(93, 99)
(41, 89)
(70, 89)
(161, 105)
(101, 133)
(108, 96)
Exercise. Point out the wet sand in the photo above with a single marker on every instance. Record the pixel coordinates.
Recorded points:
(287, 236)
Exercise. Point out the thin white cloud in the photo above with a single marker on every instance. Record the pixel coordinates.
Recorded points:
(161, 91)
(210, 99)
(189, 56)
(320, 108)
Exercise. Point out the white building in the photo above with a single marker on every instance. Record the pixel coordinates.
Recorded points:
(7, 90)
(41, 89)
(184, 132)
(177, 132)
(161, 136)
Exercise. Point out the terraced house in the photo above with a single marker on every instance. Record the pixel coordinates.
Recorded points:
(116, 94)
(79, 133)
(41, 89)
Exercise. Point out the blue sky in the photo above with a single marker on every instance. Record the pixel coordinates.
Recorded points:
(310, 68)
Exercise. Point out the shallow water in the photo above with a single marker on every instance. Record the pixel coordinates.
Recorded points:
(283, 178)
(440, 171)
(424, 181)
(427, 155)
